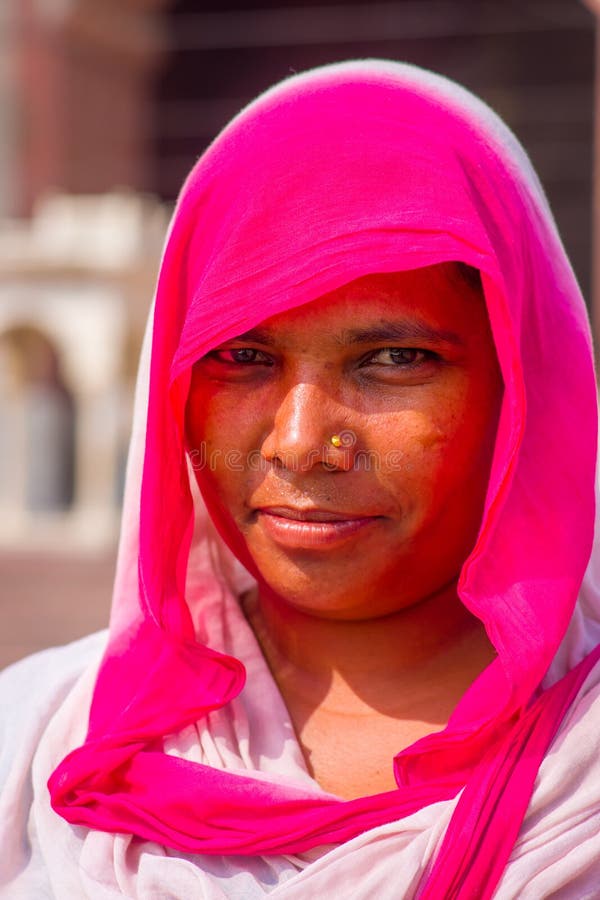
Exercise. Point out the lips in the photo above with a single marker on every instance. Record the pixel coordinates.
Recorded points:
(310, 514)
(311, 528)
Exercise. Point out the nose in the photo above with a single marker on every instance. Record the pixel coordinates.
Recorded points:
(304, 423)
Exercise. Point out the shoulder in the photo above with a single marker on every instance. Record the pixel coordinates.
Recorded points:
(32, 692)
(32, 689)
(557, 851)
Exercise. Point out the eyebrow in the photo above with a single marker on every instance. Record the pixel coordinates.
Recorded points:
(402, 330)
(394, 330)
(255, 335)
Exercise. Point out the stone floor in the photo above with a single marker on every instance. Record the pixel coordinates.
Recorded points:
(51, 599)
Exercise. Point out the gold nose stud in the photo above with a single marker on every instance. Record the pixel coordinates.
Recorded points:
(336, 440)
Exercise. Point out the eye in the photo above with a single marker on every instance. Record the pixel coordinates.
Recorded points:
(399, 357)
(243, 356)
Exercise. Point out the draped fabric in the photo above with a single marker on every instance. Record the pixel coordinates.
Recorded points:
(351, 169)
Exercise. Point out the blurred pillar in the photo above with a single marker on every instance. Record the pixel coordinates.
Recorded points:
(49, 420)
(97, 456)
(12, 433)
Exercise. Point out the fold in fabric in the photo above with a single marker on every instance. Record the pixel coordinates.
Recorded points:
(482, 830)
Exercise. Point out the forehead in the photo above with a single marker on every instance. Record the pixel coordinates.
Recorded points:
(431, 304)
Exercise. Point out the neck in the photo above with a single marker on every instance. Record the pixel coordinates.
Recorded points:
(416, 662)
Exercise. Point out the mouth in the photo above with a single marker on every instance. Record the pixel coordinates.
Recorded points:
(311, 528)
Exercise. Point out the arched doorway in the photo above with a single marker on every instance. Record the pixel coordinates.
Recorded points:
(37, 424)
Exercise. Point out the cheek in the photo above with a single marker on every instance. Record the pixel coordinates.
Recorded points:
(413, 440)
(442, 448)
(460, 446)
(213, 446)
(218, 421)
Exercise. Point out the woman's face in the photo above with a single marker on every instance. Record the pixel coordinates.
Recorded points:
(401, 367)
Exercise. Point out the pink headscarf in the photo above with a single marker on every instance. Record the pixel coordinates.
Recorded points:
(352, 169)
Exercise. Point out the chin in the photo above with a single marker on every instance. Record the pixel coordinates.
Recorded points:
(312, 597)
(307, 595)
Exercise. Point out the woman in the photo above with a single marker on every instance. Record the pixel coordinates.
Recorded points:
(362, 479)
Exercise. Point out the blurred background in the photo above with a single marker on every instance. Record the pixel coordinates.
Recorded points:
(104, 107)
